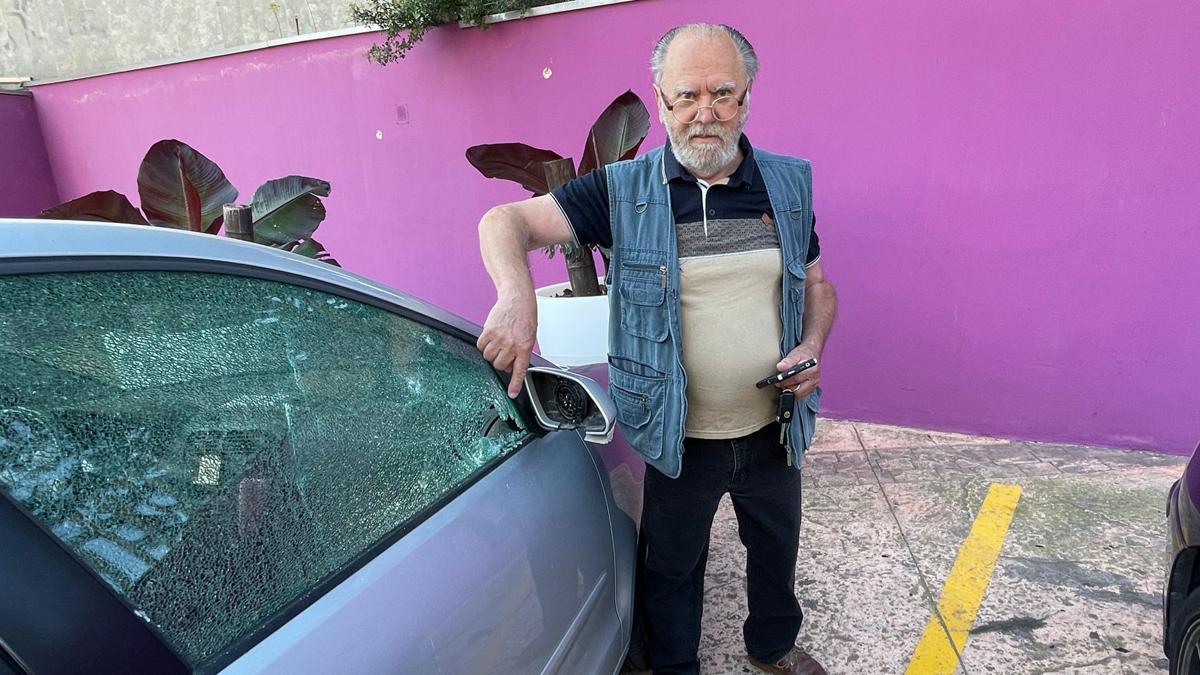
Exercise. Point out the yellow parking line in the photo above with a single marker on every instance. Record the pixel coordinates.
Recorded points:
(963, 590)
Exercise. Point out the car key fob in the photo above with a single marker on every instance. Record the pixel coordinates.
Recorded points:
(787, 405)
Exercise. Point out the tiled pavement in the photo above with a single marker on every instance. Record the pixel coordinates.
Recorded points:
(1077, 587)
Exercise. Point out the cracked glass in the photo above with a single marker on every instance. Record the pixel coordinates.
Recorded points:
(214, 447)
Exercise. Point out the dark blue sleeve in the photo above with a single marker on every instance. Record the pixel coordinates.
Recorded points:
(814, 245)
(584, 202)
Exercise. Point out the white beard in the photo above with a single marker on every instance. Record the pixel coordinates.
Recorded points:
(707, 159)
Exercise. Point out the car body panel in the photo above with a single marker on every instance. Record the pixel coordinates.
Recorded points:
(1183, 544)
(498, 604)
(625, 472)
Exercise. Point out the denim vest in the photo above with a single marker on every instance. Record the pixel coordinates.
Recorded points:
(647, 381)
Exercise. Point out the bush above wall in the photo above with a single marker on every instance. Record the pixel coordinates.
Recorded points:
(406, 21)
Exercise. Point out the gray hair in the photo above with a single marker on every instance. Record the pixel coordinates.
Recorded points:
(745, 50)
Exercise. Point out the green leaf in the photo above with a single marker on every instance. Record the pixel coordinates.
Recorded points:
(108, 206)
(311, 248)
(288, 209)
(617, 133)
(182, 188)
(513, 161)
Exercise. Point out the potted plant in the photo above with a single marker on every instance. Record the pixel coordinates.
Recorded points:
(572, 316)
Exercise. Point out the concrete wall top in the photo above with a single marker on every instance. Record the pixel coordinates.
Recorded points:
(52, 39)
(57, 40)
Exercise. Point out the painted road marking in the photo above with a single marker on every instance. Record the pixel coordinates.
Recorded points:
(963, 590)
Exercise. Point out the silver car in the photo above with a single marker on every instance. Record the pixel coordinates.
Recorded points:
(220, 457)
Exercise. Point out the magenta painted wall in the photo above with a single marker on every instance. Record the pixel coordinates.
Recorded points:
(1007, 191)
(26, 184)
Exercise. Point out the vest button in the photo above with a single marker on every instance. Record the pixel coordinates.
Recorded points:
(712, 212)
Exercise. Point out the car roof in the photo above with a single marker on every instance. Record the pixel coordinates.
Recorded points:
(25, 239)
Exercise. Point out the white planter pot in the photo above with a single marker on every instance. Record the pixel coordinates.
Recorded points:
(572, 331)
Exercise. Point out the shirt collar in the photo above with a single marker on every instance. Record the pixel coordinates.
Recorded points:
(744, 174)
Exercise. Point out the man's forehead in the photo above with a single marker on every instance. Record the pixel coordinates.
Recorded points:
(699, 60)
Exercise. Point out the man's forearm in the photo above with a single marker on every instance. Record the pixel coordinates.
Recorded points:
(820, 308)
(503, 244)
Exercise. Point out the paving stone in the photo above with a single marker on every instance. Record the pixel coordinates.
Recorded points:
(851, 459)
(1081, 466)
(839, 479)
(1058, 452)
(835, 435)
(895, 464)
(1014, 455)
(982, 453)
(999, 471)
(876, 436)
(969, 464)
(821, 460)
(954, 473)
(1039, 469)
(866, 476)
(885, 477)
(916, 476)
(1136, 458)
(948, 438)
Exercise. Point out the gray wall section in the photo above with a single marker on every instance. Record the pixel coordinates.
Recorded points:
(49, 39)
(26, 182)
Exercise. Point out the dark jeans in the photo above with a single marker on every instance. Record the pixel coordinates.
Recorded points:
(676, 520)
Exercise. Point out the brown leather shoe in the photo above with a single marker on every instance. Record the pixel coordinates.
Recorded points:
(795, 662)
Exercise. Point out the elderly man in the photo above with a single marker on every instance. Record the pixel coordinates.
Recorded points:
(715, 282)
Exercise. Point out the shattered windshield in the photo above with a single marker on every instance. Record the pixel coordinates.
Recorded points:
(214, 446)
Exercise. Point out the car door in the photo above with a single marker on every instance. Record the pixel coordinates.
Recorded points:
(277, 473)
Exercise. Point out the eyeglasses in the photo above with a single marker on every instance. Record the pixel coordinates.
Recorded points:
(687, 110)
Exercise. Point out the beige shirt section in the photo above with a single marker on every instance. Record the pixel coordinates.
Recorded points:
(729, 309)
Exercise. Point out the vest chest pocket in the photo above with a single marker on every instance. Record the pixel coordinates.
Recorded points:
(643, 290)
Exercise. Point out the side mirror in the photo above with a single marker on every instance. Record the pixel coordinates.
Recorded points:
(563, 400)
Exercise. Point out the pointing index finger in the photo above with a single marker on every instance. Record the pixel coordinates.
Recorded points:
(519, 366)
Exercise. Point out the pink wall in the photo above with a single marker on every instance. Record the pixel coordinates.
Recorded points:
(26, 184)
(1006, 191)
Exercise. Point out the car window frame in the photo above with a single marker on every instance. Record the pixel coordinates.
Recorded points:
(68, 264)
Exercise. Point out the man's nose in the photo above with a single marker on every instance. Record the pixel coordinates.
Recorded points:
(705, 115)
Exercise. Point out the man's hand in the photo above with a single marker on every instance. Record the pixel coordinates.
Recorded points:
(508, 336)
(819, 310)
(506, 234)
(806, 382)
